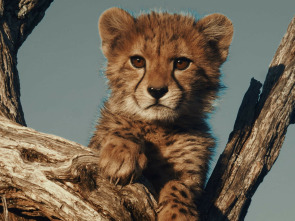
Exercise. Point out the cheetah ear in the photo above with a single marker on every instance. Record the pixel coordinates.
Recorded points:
(112, 24)
(218, 30)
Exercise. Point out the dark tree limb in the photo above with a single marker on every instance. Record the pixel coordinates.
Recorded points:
(44, 176)
(17, 20)
(257, 138)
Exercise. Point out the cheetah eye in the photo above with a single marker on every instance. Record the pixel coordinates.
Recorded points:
(137, 61)
(181, 63)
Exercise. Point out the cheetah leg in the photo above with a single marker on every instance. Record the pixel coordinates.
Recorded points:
(176, 202)
(121, 160)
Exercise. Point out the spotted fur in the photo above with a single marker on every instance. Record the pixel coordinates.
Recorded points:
(163, 137)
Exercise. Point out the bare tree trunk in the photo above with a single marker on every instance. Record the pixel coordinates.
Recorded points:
(45, 177)
(17, 20)
(257, 138)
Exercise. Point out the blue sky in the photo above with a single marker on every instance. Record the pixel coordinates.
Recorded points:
(60, 62)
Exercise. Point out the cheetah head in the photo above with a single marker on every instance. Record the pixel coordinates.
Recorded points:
(163, 66)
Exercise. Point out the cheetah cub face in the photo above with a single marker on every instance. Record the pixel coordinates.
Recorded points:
(163, 66)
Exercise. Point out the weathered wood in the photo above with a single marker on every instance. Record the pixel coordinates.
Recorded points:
(47, 176)
(255, 142)
(10, 105)
(17, 20)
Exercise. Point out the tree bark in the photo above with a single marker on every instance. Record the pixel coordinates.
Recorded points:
(17, 20)
(45, 177)
(257, 137)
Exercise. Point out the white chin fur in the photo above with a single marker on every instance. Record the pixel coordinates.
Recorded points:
(159, 113)
(154, 113)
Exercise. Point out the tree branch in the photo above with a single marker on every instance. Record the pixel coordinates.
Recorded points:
(17, 20)
(30, 13)
(255, 142)
(36, 169)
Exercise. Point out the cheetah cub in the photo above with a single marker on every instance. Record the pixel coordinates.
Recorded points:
(163, 72)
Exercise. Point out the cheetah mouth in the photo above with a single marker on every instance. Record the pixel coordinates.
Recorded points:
(157, 106)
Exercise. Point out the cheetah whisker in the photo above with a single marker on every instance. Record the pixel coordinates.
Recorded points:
(118, 179)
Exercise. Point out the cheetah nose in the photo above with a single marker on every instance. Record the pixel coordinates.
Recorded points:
(157, 93)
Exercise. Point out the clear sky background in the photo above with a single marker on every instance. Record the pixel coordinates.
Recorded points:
(62, 85)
